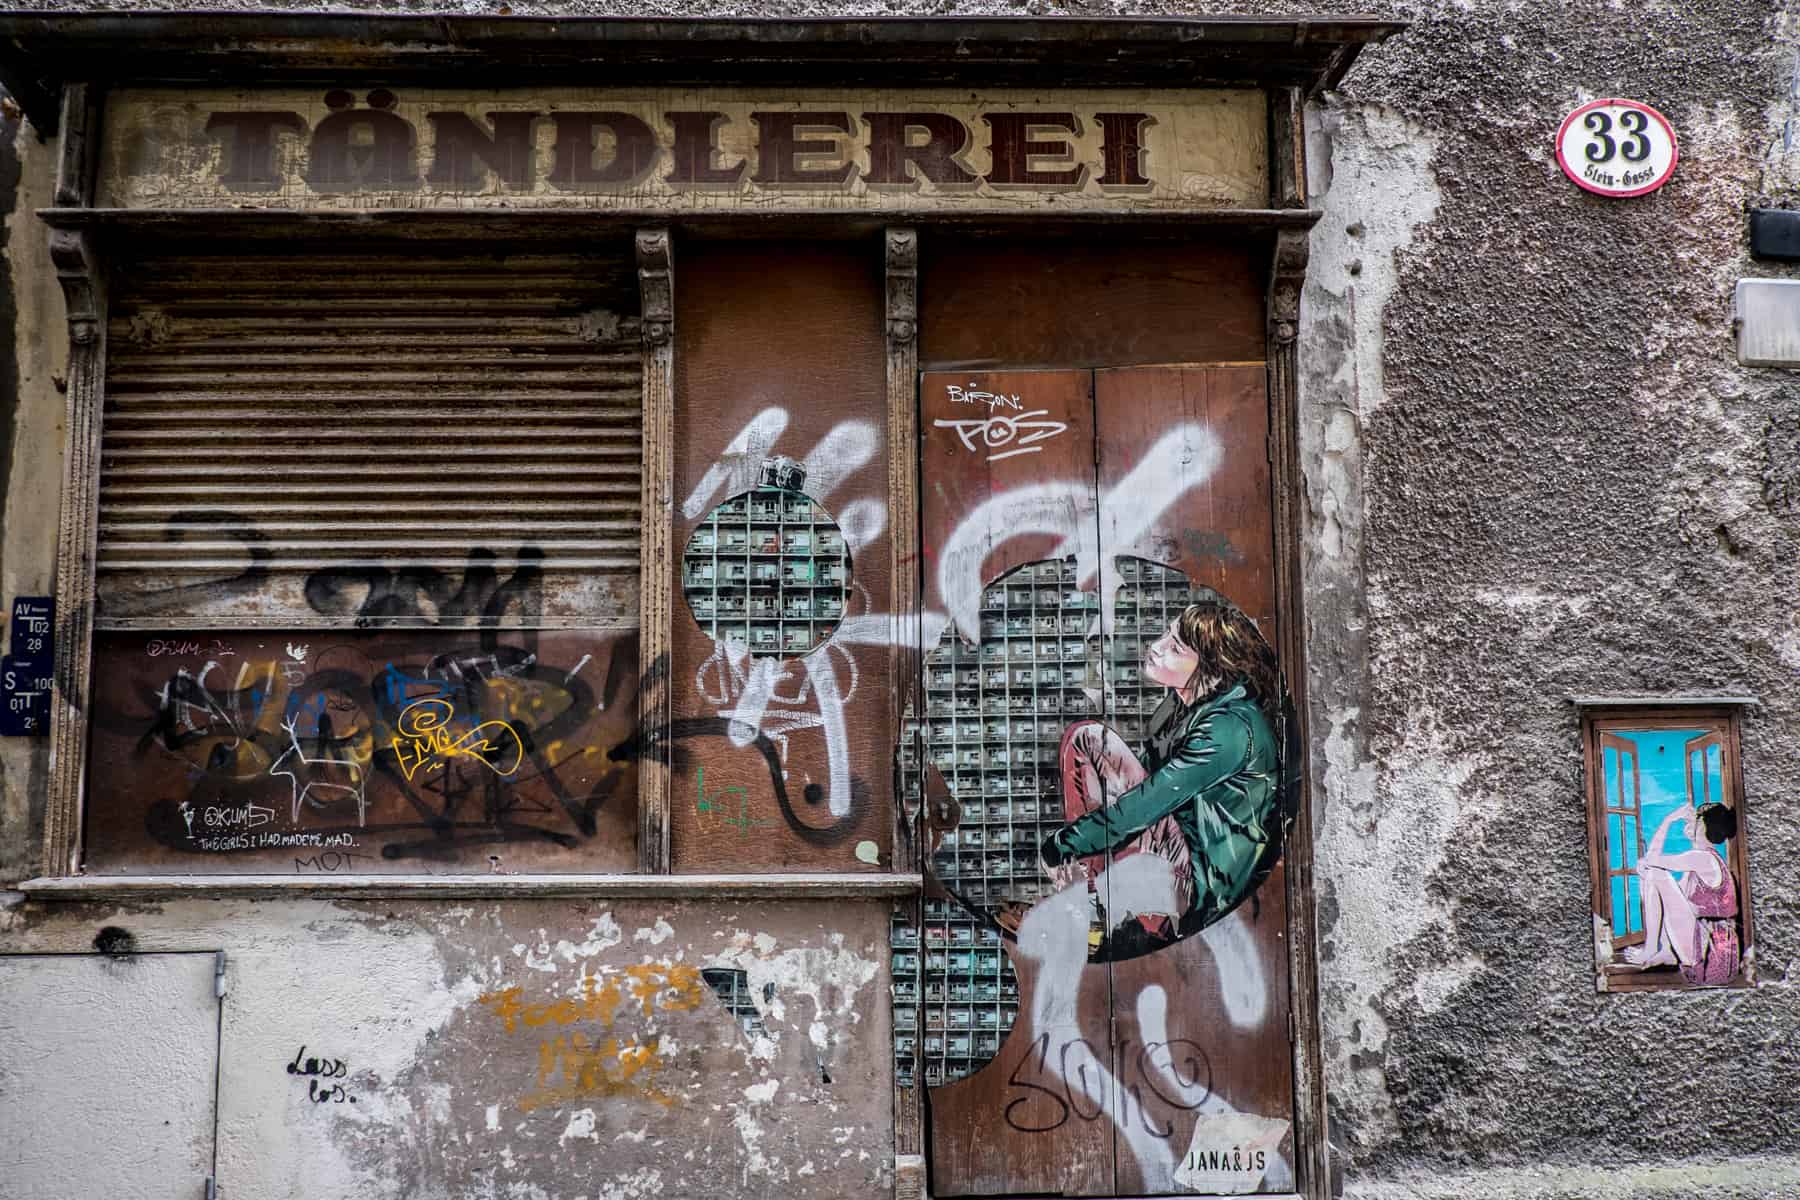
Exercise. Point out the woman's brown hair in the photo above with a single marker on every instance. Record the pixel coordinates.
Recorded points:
(1230, 647)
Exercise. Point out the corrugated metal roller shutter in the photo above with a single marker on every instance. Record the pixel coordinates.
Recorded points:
(393, 437)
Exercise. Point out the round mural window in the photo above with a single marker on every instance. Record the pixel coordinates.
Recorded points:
(768, 568)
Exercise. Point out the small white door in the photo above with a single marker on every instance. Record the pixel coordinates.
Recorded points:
(108, 1070)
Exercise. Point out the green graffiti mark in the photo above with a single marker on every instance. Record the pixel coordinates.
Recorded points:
(720, 802)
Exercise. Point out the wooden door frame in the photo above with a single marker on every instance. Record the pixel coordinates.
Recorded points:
(1287, 277)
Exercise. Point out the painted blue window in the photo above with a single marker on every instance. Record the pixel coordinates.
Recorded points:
(1649, 774)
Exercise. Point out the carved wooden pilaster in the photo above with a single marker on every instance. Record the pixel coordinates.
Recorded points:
(656, 296)
(901, 252)
(901, 248)
(1287, 276)
(77, 149)
(78, 270)
(84, 296)
(1287, 148)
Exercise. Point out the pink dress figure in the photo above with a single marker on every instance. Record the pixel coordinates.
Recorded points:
(1690, 922)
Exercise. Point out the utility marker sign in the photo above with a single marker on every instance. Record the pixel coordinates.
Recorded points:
(25, 674)
(1617, 148)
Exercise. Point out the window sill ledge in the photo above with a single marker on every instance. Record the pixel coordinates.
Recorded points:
(78, 888)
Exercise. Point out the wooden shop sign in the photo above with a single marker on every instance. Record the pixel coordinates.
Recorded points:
(937, 149)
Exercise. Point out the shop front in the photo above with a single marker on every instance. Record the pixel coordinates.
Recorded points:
(820, 495)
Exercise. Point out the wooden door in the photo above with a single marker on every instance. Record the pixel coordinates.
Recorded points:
(1137, 1046)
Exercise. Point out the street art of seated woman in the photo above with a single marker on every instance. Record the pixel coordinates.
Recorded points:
(1690, 922)
(1206, 796)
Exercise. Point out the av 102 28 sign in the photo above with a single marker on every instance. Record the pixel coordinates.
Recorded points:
(1617, 148)
(25, 674)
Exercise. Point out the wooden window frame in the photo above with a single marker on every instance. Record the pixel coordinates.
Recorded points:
(1604, 718)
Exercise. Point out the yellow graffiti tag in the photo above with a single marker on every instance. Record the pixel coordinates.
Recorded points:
(672, 987)
(574, 1066)
(595, 1070)
(425, 740)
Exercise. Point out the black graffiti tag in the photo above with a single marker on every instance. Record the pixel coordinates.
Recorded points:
(318, 1072)
(1151, 1067)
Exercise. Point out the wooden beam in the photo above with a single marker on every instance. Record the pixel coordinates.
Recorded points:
(77, 165)
(285, 225)
(1311, 1133)
(656, 287)
(1287, 149)
(901, 253)
(485, 887)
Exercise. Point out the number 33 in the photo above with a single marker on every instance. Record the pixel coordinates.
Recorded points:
(1604, 146)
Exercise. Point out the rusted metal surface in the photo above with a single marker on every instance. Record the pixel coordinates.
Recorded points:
(1220, 535)
(1228, 987)
(310, 752)
(326, 439)
(40, 51)
(1004, 302)
(784, 763)
(1168, 1070)
(1111, 1076)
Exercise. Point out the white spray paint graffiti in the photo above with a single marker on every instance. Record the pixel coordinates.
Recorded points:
(1055, 934)
(1181, 460)
(318, 792)
(738, 463)
(768, 697)
(991, 433)
(840, 454)
(975, 394)
(1242, 983)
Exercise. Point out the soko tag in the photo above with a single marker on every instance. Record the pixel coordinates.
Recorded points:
(1617, 148)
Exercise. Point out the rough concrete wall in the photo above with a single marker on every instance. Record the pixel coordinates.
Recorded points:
(540, 1050)
(1558, 467)
(1534, 470)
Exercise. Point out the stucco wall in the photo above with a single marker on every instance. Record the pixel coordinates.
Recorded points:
(1534, 469)
(534, 1049)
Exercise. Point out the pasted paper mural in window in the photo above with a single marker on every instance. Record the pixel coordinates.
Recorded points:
(1671, 899)
(1067, 753)
(768, 569)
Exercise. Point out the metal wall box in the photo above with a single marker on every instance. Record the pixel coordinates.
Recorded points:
(1768, 322)
(1775, 233)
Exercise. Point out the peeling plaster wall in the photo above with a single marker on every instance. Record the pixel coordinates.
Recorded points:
(613, 1071)
(34, 352)
(1534, 469)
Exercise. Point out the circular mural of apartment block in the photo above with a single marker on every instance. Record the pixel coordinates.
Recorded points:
(768, 569)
